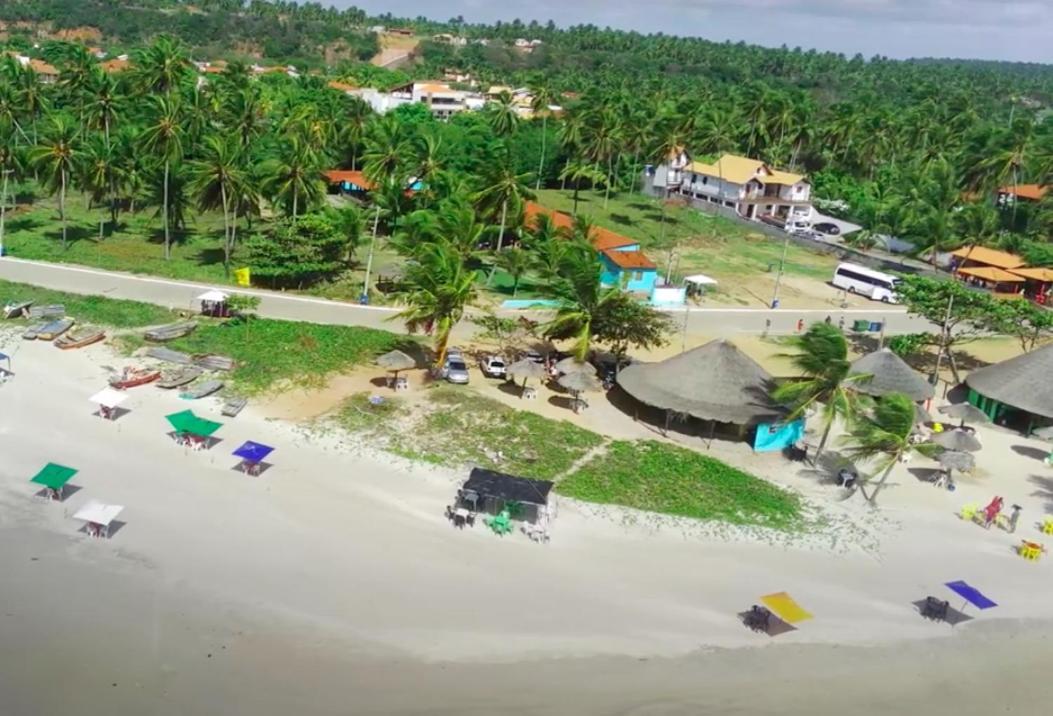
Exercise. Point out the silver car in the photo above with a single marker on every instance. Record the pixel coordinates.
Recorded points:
(455, 370)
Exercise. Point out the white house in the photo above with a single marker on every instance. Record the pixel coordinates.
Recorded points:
(749, 186)
(441, 99)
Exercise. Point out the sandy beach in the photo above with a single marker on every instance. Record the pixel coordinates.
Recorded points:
(332, 584)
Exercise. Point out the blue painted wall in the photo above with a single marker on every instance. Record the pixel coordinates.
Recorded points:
(635, 280)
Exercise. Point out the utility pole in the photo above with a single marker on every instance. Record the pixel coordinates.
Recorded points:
(364, 298)
(778, 277)
(3, 208)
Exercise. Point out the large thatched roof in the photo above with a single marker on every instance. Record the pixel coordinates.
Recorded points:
(1022, 382)
(716, 381)
(890, 374)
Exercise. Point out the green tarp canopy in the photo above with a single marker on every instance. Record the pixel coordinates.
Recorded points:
(187, 422)
(54, 476)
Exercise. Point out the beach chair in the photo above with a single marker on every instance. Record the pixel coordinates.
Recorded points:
(1047, 526)
(968, 512)
(1030, 551)
(758, 618)
(935, 609)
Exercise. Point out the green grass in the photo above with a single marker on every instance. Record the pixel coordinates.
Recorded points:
(461, 426)
(653, 476)
(710, 244)
(359, 415)
(111, 312)
(271, 352)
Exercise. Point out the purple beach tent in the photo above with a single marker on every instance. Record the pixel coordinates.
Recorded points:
(252, 455)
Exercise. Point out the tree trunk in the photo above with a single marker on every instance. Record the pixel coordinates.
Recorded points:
(164, 217)
(295, 201)
(62, 207)
(607, 189)
(872, 499)
(504, 217)
(577, 186)
(541, 163)
(226, 231)
(3, 208)
(822, 442)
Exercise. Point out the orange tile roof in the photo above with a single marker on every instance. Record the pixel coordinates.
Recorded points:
(115, 65)
(213, 70)
(341, 86)
(335, 176)
(630, 259)
(42, 68)
(1034, 192)
(1035, 274)
(601, 239)
(990, 273)
(990, 257)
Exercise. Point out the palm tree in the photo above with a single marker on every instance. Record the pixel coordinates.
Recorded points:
(31, 97)
(884, 435)
(581, 297)
(242, 113)
(11, 163)
(215, 180)
(387, 150)
(294, 176)
(543, 98)
(55, 160)
(503, 117)
(822, 359)
(515, 262)
(577, 172)
(100, 172)
(503, 188)
(10, 109)
(162, 68)
(439, 286)
(164, 140)
(103, 105)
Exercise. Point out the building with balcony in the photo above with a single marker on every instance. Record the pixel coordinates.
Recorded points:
(752, 188)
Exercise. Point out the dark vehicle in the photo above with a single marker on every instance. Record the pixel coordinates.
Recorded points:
(827, 228)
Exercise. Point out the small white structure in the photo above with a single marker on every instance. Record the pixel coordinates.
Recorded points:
(108, 399)
(98, 517)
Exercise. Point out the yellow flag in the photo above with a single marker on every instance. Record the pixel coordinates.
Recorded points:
(243, 276)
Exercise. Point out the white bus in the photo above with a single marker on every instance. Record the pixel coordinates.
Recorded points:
(873, 284)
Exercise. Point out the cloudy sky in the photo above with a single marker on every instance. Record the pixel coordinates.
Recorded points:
(989, 29)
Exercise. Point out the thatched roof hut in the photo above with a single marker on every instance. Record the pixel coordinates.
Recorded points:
(889, 374)
(1022, 383)
(715, 382)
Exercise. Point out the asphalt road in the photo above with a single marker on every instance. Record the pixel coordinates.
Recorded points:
(694, 321)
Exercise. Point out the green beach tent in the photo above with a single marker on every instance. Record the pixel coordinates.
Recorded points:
(54, 477)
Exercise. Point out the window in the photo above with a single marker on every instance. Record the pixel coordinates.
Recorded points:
(637, 275)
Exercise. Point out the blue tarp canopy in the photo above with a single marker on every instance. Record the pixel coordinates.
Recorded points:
(253, 452)
(776, 436)
(971, 594)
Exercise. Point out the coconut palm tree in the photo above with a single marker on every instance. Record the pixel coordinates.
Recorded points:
(438, 289)
(543, 98)
(11, 165)
(99, 176)
(242, 113)
(103, 105)
(884, 435)
(388, 150)
(516, 263)
(293, 178)
(163, 139)
(505, 189)
(162, 68)
(822, 359)
(215, 180)
(55, 160)
(503, 117)
(576, 287)
(577, 172)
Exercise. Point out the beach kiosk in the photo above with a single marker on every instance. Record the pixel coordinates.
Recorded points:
(54, 478)
(252, 456)
(108, 399)
(192, 431)
(98, 517)
(495, 492)
(214, 303)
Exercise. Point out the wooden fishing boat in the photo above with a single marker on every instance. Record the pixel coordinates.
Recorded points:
(16, 309)
(55, 329)
(169, 356)
(214, 362)
(179, 378)
(202, 390)
(132, 377)
(31, 333)
(55, 310)
(233, 406)
(79, 338)
(170, 332)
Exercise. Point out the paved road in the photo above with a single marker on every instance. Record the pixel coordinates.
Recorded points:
(710, 322)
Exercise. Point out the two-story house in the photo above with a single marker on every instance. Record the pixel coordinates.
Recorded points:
(752, 188)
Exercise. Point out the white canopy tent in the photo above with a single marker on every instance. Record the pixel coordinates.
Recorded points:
(108, 398)
(700, 279)
(214, 296)
(98, 513)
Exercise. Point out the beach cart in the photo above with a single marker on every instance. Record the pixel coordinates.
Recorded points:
(108, 399)
(252, 456)
(54, 477)
(192, 431)
(98, 517)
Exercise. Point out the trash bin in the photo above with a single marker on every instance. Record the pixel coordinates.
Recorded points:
(875, 326)
(860, 325)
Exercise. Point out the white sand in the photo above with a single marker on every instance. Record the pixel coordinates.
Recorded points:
(333, 581)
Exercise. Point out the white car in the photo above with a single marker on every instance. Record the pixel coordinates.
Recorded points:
(493, 366)
(454, 369)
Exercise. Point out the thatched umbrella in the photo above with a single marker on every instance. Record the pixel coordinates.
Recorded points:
(956, 460)
(578, 383)
(957, 440)
(888, 373)
(965, 412)
(526, 369)
(395, 361)
(573, 365)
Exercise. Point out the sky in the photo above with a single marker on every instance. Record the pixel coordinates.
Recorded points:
(1019, 30)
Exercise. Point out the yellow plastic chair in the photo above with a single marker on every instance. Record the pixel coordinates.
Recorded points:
(1030, 551)
(1047, 526)
(969, 511)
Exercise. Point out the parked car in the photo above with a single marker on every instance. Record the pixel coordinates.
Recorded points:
(827, 228)
(454, 370)
(534, 357)
(493, 366)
